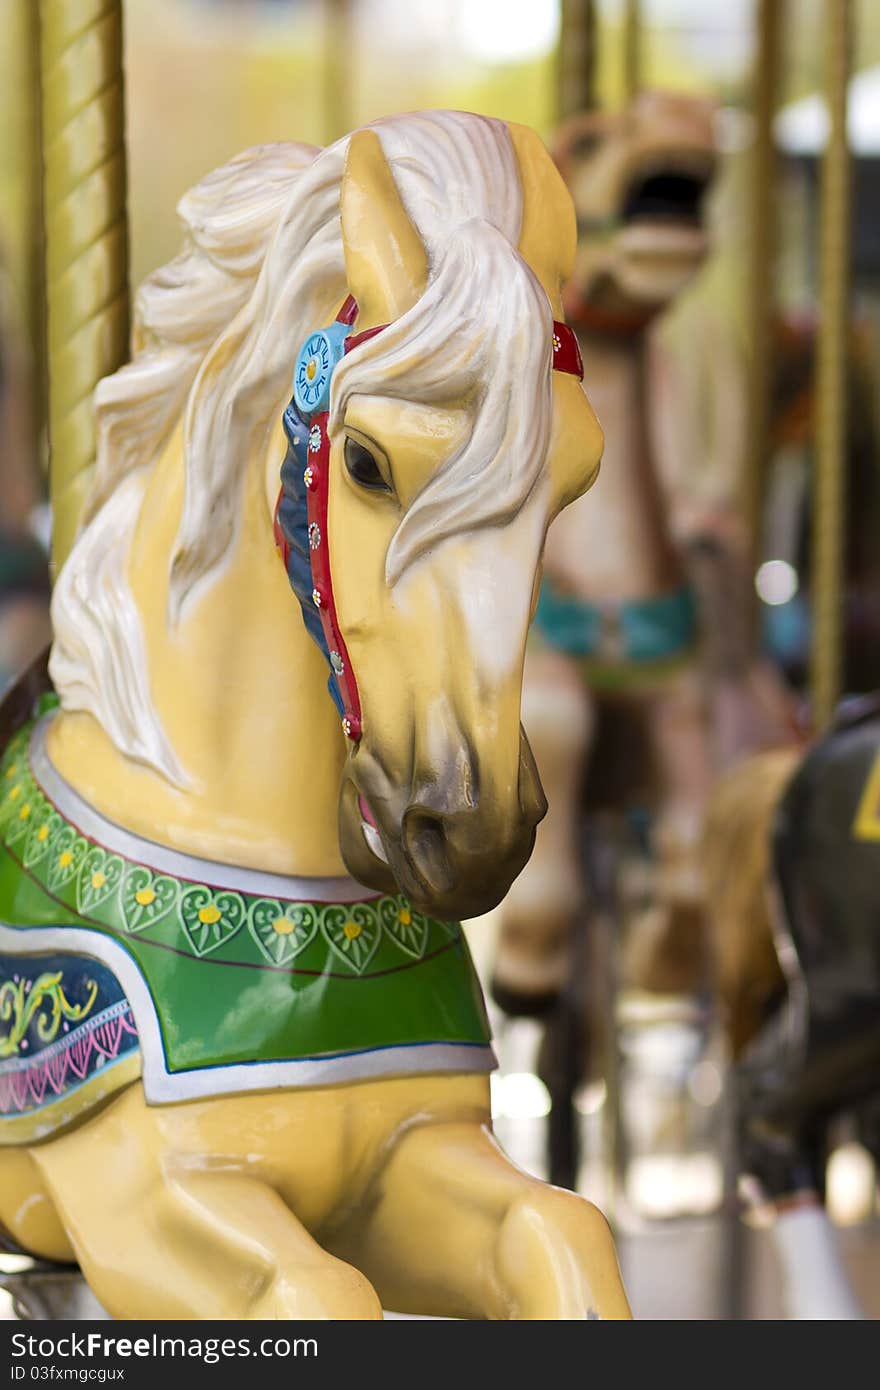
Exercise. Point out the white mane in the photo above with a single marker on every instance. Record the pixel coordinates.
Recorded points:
(217, 331)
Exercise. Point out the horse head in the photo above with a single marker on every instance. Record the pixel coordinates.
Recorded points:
(445, 446)
(638, 179)
(438, 424)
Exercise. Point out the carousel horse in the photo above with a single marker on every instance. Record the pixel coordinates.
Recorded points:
(792, 863)
(616, 620)
(243, 1053)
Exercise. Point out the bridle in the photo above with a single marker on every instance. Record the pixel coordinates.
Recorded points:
(301, 509)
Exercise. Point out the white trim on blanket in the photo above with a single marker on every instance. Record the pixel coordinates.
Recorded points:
(256, 882)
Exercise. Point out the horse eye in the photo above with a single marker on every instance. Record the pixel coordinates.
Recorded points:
(362, 467)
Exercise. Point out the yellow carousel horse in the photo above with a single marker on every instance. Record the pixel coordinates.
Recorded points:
(243, 1054)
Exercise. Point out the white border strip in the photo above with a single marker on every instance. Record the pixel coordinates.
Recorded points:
(171, 861)
(162, 1087)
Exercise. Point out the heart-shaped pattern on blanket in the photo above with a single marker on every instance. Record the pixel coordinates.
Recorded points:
(407, 928)
(15, 793)
(282, 931)
(353, 934)
(45, 827)
(21, 804)
(68, 852)
(146, 898)
(98, 879)
(211, 917)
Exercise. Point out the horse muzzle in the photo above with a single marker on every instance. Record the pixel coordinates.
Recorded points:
(452, 847)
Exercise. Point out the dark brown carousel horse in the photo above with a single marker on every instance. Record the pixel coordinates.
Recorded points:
(793, 870)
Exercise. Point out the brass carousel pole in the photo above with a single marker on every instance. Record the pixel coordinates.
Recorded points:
(760, 310)
(34, 268)
(632, 51)
(576, 58)
(338, 24)
(761, 262)
(829, 487)
(611, 920)
(575, 93)
(84, 197)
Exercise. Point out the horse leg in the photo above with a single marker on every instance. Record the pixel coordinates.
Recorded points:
(533, 955)
(668, 950)
(451, 1228)
(160, 1233)
(815, 1281)
(784, 1147)
(298, 1279)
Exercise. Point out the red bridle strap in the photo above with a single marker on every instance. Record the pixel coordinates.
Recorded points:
(566, 358)
(566, 353)
(317, 482)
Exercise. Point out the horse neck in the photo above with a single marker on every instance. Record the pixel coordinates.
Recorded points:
(240, 690)
(616, 371)
(614, 542)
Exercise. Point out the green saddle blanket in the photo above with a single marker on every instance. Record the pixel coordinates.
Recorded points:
(120, 957)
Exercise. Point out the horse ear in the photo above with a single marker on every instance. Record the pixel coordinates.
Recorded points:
(548, 235)
(385, 259)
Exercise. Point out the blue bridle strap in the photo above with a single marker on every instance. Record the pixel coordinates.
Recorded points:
(292, 520)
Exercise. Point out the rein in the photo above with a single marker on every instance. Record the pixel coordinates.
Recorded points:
(301, 510)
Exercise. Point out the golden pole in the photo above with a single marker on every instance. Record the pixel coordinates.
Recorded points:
(86, 236)
(761, 262)
(35, 297)
(576, 58)
(338, 26)
(632, 51)
(829, 486)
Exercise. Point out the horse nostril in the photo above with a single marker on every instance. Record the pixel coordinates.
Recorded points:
(424, 843)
